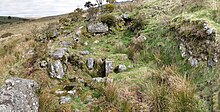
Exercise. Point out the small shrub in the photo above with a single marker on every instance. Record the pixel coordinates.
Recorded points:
(127, 7)
(7, 49)
(184, 101)
(133, 55)
(35, 31)
(110, 1)
(48, 102)
(169, 92)
(76, 15)
(126, 106)
(135, 47)
(92, 12)
(109, 8)
(216, 15)
(99, 2)
(9, 17)
(120, 48)
(49, 30)
(108, 19)
(159, 99)
(64, 20)
(110, 93)
(219, 100)
(193, 2)
(137, 24)
(80, 10)
(193, 5)
(88, 4)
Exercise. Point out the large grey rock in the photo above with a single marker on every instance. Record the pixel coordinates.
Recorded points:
(90, 63)
(18, 95)
(58, 53)
(56, 69)
(108, 67)
(97, 28)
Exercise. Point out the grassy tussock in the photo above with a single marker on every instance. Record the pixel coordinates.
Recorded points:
(172, 93)
(157, 91)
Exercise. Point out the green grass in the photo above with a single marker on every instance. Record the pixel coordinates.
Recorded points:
(5, 20)
(160, 77)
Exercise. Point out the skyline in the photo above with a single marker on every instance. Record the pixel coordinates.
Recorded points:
(40, 8)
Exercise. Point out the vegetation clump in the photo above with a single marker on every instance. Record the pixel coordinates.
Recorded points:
(108, 19)
(109, 8)
(196, 39)
(151, 41)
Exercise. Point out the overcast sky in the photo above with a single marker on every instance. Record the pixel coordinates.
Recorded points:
(39, 8)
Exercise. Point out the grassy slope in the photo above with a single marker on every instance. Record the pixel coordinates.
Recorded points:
(5, 20)
(138, 87)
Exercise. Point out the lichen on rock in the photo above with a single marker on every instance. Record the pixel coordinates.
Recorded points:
(18, 95)
(197, 40)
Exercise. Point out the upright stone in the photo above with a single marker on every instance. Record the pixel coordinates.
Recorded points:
(108, 67)
(90, 63)
(56, 69)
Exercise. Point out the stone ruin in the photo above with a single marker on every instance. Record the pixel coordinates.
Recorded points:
(198, 40)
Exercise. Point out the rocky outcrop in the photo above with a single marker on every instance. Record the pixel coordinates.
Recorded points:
(18, 95)
(97, 28)
(197, 40)
(56, 69)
